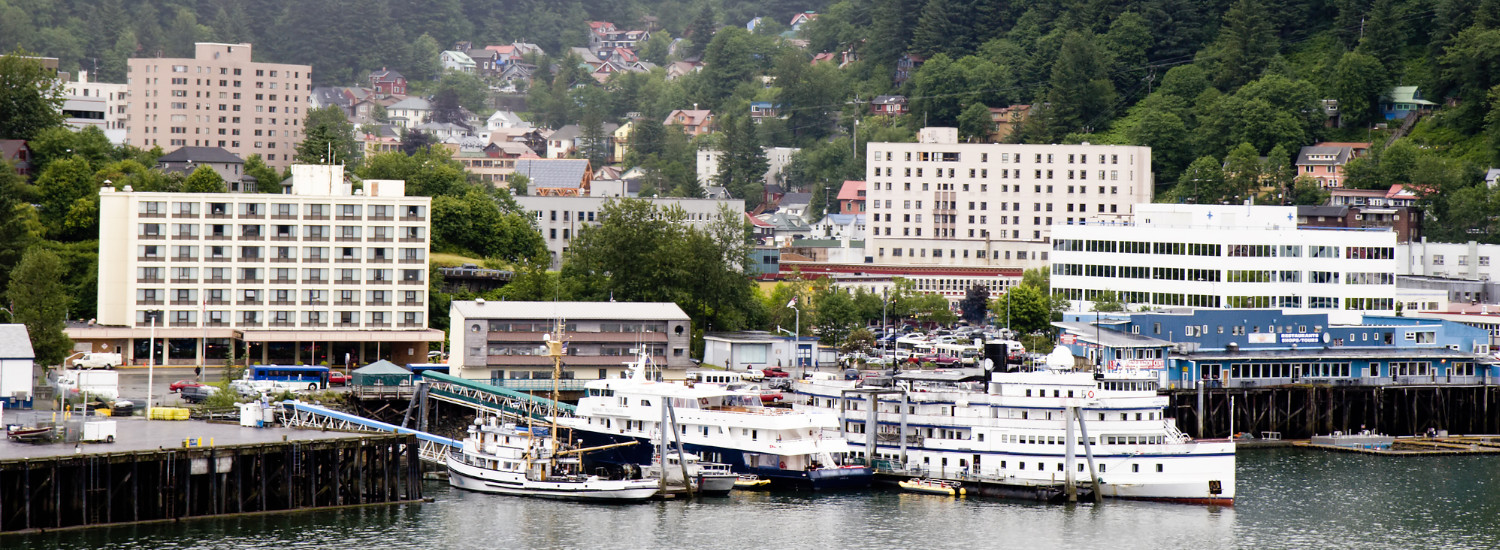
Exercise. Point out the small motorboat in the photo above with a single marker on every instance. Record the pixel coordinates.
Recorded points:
(933, 487)
(751, 481)
(31, 435)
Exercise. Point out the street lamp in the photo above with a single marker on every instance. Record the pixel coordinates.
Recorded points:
(797, 338)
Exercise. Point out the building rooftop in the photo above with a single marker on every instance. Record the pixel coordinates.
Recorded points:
(553, 173)
(202, 155)
(624, 311)
(15, 343)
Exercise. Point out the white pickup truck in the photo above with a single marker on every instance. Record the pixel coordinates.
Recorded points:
(98, 360)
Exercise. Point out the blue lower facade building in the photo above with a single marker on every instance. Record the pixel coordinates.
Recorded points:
(1246, 348)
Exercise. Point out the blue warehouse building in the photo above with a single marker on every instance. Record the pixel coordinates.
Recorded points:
(1246, 348)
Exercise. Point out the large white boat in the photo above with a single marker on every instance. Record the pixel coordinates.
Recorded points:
(533, 461)
(1010, 432)
(791, 449)
(516, 460)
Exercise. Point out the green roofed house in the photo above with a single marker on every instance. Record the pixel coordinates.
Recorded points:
(1402, 101)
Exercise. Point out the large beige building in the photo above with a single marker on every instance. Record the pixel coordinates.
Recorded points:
(289, 278)
(941, 202)
(219, 98)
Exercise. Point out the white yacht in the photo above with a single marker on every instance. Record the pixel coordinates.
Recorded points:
(1010, 432)
(515, 460)
(791, 449)
(534, 461)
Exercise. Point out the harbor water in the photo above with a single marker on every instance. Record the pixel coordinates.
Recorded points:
(1288, 498)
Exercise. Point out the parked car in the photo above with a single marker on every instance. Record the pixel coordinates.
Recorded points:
(338, 378)
(197, 393)
(178, 385)
(775, 372)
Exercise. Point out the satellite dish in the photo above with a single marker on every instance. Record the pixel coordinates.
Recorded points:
(1061, 358)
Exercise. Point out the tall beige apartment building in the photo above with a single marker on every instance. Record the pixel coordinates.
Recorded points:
(219, 98)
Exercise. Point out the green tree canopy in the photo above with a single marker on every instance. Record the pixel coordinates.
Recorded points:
(326, 131)
(204, 180)
(40, 302)
(31, 97)
(639, 252)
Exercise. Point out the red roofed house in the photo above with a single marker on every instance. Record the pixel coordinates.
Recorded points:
(852, 197)
(694, 122)
(801, 19)
(889, 105)
(388, 82)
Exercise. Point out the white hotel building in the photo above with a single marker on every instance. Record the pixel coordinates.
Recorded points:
(941, 202)
(559, 218)
(320, 273)
(1235, 256)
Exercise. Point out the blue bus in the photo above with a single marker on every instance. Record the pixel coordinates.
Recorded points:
(287, 378)
(418, 368)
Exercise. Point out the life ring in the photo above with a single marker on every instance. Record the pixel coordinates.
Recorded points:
(1091, 394)
(783, 464)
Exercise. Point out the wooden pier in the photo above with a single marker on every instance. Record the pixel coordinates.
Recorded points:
(1424, 446)
(248, 471)
(1300, 411)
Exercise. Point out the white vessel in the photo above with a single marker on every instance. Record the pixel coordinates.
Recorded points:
(534, 461)
(1011, 433)
(708, 478)
(516, 460)
(792, 449)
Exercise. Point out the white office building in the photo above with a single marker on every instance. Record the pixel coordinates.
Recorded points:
(560, 217)
(100, 104)
(325, 271)
(1211, 256)
(941, 202)
(1470, 260)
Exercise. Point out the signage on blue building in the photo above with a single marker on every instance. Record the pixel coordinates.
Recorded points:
(1301, 338)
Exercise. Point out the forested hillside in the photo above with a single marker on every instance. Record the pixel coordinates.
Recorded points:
(1204, 82)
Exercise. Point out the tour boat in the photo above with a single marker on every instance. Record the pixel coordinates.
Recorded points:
(534, 461)
(932, 486)
(707, 478)
(1010, 433)
(791, 449)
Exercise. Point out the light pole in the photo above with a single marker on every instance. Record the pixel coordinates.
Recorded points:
(797, 339)
(150, 366)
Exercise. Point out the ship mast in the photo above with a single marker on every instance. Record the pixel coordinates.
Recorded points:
(555, 351)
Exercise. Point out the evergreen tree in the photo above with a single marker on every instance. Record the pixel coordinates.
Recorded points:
(975, 304)
(1244, 46)
(1384, 32)
(935, 30)
(1242, 171)
(1081, 94)
(1202, 182)
(39, 301)
(700, 32)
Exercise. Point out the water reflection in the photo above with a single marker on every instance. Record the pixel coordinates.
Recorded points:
(1288, 498)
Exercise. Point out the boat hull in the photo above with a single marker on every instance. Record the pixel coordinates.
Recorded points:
(825, 479)
(472, 478)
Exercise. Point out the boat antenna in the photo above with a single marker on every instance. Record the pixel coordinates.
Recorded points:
(555, 351)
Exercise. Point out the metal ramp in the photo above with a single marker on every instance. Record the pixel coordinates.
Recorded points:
(493, 399)
(296, 414)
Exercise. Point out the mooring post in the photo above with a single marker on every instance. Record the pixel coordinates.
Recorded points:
(1201, 383)
(1071, 487)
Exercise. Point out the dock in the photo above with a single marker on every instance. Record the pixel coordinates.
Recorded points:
(1423, 446)
(174, 470)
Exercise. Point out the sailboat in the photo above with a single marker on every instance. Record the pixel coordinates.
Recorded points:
(535, 461)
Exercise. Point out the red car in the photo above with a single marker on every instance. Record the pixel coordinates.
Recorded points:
(775, 372)
(178, 385)
(336, 378)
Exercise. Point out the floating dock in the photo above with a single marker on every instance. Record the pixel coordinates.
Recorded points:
(168, 471)
(1423, 446)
